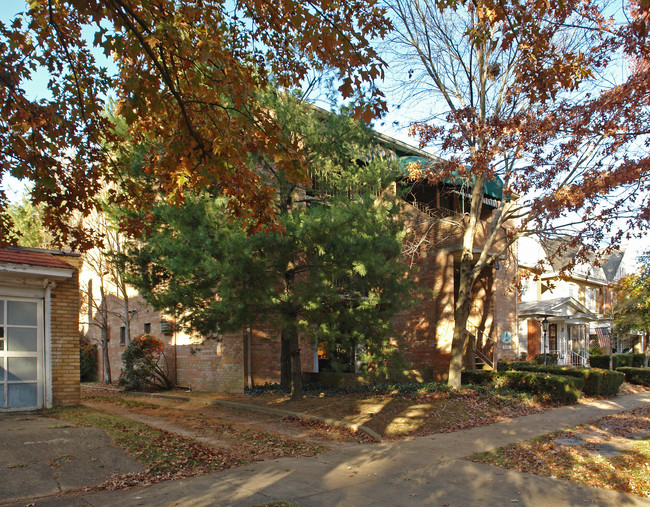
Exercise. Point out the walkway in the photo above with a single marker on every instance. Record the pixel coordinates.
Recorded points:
(422, 471)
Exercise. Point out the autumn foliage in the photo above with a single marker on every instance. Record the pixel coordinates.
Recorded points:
(184, 79)
(144, 364)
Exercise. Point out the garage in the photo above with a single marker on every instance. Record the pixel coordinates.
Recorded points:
(21, 353)
(39, 329)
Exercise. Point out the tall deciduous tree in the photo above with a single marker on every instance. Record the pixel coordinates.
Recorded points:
(185, 77)
(631, 306)
(516, 92)
(331, 272)
(106, 284)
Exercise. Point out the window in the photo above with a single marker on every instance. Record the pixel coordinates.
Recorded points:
(123, 336)
(592, 299)
(147, 328)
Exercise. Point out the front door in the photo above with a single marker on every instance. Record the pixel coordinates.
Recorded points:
(21, 354)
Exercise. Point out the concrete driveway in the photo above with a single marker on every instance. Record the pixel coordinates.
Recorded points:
(41, 456)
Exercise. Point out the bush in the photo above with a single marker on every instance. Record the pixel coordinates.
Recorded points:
(596, 381)
(637, 360)
(639, 376)
(601, 361)
(512, 365)
(87, 361)
(550, 359)
(618, 361)
(559, 388)
(612, 381)
(141, 364)
(478, 377)
(595, 351)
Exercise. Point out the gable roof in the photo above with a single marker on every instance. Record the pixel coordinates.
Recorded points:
(610, 267)
(33, 257)
(561, 255)
(556, 307)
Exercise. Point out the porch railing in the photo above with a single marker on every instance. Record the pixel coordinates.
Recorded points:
(483, 345)
(571, 358)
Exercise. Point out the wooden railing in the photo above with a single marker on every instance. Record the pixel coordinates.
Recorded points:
(484, 346)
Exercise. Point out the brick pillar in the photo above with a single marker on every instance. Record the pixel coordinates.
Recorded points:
(65, 338)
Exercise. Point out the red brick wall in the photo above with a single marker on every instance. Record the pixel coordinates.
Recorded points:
(202, 365)
(428, 327)
(426, 330)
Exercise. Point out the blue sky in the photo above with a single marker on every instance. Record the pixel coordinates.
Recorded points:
(37, 89)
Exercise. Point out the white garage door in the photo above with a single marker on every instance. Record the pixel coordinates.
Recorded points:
(21, 353)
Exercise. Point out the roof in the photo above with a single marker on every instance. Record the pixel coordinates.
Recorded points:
(556, 307)
(562, 255)
(610, 267)
(492, 188)
(33, 257)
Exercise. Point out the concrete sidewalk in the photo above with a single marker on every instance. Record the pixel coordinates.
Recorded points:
(422, 471)
(43, 456)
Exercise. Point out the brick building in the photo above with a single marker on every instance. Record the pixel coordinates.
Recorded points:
(39, 329)
(252, 356)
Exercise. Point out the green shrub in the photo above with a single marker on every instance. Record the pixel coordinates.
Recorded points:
(601, 361)
(87, 361)
(141, 364)
(595, 351)
(512, 365)
(478, 377)
(550, 359)
(623, 360)
(594, 378)
(559, 388)
(618, 361)
(612, 381)
(636, 375)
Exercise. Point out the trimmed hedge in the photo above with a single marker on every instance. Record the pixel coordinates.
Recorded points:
(636, 375)
(478, 377)
(596, 381)
(558, 387)
(618, 361)
(550, 358)
(512, 365)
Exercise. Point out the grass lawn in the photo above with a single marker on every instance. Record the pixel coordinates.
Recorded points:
(393, 415)
(627, 472)
(165, 454)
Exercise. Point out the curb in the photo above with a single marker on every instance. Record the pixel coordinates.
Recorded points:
(299, 415)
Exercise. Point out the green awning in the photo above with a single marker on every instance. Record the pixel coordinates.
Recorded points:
(492, 188)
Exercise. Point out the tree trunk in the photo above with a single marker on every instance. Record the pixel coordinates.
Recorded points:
(465, 284)
(104, 337)
(461, 314)
(107, 364)
(294, 347)
(285, 359)
(127, 318)
(647, 352)
(290, 360)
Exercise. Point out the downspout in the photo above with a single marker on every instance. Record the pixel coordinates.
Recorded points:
(516, 256)
(47, 329)
(249, 357)
(175, 356)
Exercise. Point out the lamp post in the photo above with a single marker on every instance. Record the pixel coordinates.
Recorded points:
(545, 329)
